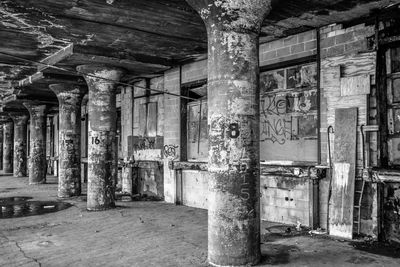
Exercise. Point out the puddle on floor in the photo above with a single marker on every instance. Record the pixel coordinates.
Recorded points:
(13, 200)
(13, 207)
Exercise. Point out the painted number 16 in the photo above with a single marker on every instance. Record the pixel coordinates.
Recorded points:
(95, 140)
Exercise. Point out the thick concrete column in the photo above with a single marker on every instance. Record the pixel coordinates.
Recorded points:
(102, 154)
(1, 146)
(233, 117)
(37, 162)
(20, 143)
(8, 139)
(70, 99)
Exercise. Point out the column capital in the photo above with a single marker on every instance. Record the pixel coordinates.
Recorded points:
(19, 118)
(4, 119)
(65, 90)
(35, 108)
(232, 15)
(100, 73)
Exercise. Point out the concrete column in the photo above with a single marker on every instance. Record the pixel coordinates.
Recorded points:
(102, 153)
(37, 162)
(20, 143)
(69, 177)
(1, 146)
(233, 117)
(8, 139)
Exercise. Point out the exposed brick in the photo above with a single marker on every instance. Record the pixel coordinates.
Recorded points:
(291, 40)
(331, 34)
(288, 57)
(264, 48)
(306, 36)
(276, 44)
(335, 50)
(283, 52)
(311, 45)
(356, 46)
(330, 41)
(298, 48)
(344, 38)
(269, 55)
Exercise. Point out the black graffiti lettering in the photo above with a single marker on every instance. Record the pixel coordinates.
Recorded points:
(170, 150)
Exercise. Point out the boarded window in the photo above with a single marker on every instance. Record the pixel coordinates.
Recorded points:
(197, 131)
(288, 114)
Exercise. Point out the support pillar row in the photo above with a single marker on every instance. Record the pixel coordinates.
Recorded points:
(233, 118)
(102, 152)
(20, 143)
(69, 177)
(37, 161)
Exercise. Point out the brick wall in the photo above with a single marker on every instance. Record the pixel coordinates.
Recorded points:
(292, 47)
(335, 40)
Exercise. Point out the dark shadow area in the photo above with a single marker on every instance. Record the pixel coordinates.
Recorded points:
(384, 249)
(275, 254)
(119, 196)
(13, 207)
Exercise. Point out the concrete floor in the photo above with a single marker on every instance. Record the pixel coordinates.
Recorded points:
(149, 234)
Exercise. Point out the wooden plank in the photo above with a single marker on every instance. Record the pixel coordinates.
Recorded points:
(343, 180)
(357, 85)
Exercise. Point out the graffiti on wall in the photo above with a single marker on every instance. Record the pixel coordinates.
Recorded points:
(288, 104)
(170, 151)
(137, 143)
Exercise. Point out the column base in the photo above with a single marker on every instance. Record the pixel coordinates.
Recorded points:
(250, 263)
(37, 183)
(101, 208)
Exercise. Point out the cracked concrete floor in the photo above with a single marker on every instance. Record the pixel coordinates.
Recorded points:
(143, 234)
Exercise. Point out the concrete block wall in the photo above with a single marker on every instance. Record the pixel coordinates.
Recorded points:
(293, 47)
(195, 189)
(285, 202)
(336, 40)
